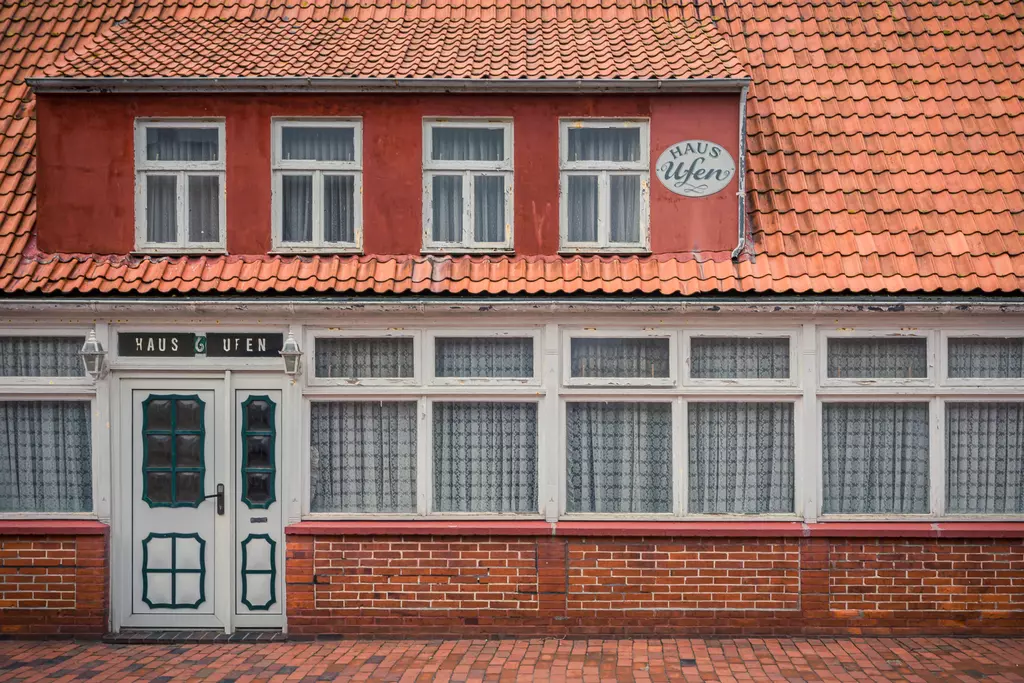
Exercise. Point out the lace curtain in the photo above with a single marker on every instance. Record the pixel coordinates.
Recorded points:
(362, 456)
(996, 357)
(485, 457)
(619, 457)
(161, 208)
(483, 357)
(884, 358)
(875, 458)
(985, 458)
(739, 358)
(364, 357)
(741, 457)
(45, 456)
(639, 357)
(41, 357)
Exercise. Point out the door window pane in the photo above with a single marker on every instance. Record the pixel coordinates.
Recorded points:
(363, 456)
(986, 357)
(181, 144)
(875, 458)
(297, 208)
(311, 143)
(632, 357)
(739, 358)
(41, 357)
(259, 437)
(619, 457)
(447, 208)
(985, 458)
(45, 456)
(176, 479)
(483, 357)
(741, 457)
(485, 457)
(364, 357)
(878, 358)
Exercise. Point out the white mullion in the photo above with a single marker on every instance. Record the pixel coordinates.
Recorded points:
(549, 445)
(468, 210)
(181, 197)
(680, 457)
(424, 471)
(807, 481)
(937, 456)
(318, 207)
(604, 210)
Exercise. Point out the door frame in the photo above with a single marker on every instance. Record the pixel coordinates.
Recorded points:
(224, 385)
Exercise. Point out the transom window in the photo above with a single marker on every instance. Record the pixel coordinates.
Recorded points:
(467, 185)
(179, 185)
(605, 177)
(317, 175)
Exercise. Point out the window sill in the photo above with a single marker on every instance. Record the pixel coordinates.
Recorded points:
(52, 527)
(425, 527)
(180, 251)
(604, 251)
(315, 251)
(468, 251)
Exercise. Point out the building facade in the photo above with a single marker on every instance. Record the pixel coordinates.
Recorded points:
(512, 319)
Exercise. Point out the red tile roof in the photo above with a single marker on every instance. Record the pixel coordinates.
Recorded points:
(885, 152)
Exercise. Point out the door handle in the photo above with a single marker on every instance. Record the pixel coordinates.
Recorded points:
(220, 498)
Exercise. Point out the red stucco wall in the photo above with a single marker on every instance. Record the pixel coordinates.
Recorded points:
(86, 176)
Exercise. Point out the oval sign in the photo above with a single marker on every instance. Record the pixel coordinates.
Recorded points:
(695, 168)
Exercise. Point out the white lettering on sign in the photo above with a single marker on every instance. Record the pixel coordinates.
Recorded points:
(695, 168)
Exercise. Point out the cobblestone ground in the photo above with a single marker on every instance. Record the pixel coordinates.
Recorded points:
(748, 660)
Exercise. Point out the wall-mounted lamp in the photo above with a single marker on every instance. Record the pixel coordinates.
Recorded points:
(292, 355)
(93, 355)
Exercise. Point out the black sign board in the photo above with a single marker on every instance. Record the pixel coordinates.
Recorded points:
(156, 344)
(219, 344)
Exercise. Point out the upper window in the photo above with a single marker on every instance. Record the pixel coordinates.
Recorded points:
(883, 358)
(604, 186)
(467, 185)
(317, 185)
(986, 358)
(179, 185)
(30, 356)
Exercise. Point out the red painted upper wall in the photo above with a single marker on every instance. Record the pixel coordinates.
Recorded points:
(86, 175)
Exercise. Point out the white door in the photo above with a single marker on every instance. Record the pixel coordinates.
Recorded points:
(174, 510)
(259, 545)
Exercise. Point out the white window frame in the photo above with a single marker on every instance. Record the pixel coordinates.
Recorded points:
(312, 334)
(182, 170)
(943, 365)
(875, 333)
(672, 334)
(468, 170)
(317, 169)
(604, 169)
(743, 384)
(430, 348)
(68, 389)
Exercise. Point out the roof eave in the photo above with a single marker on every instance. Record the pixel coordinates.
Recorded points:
(355, 85)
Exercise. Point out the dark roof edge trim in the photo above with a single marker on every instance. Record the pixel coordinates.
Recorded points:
(355, 85)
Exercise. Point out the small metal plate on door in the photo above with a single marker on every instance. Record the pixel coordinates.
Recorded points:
(257, 520)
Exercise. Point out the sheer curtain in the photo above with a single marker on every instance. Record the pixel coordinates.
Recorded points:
(985, 457)
(741, 457)
(161, 208)
(203, 208)
(622, 357)
(364, 357)
(181, 144)
(363, 456)
(619, 457)
(310, 143)
(878, 357)
(875, 457)
(739, 357)
(604, 144)
(446, 208)
(485, 457)
(339, 208)
(583, 207)
(483, 357)
(297, 208)
(625, 207)
(489, 208)
(986, 357)
(467, 144)
(41, 357)
(45, 456)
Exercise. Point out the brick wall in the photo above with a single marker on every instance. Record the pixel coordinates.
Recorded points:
(53, 584)
(537, 585)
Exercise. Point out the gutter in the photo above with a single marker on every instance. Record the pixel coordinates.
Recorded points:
(379, 85)
(741, 193)
(317, 306)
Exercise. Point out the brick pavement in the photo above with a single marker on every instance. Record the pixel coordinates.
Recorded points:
(747, 660)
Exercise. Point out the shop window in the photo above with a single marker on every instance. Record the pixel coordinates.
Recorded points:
(179, 178)
(605, 176)
(638, 358)
(317, 175)
(739, 358)
(877, 358)
(985, 457)
(986, 357)
(365, 357)
(45, 456)
(26, 356)
(483, 357)
(467, 186)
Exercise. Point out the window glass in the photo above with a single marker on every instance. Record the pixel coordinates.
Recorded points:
(604, 144)
(875, 458)
(618, 457)
(485, 457)
(739, 357)
(339, 208)
(447, 208)
(741, 457)
(41, 357)
(296, 208)
(182, 144)
(173, 461)
(259, 436)
(318, 143)
(583, 207)
(467, 144)
(364, 357)
(203, 208)
(362, 456)
(489, 208)
(986, 357)
(627, 357)
(483, 357)
(878, 358)
(162, 208)
(45, 456)
(985, 458)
